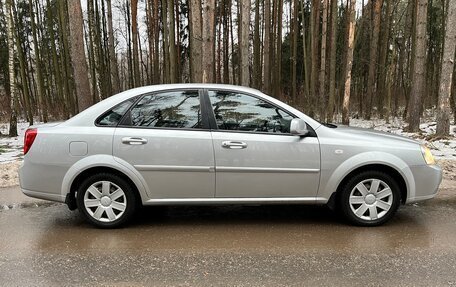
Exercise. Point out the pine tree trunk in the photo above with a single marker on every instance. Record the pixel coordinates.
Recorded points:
(294, 54)
(196, 37)
(267, 46)
(78, 58)
(372, 77)
(322, 79)
(134, 33)
(208, 40)
(446, 74)
(172, 43)
(349, 59)
(38, 67)
(314, 35)
(419, 70)
(244, 42)
(332, 62)
(112, 52)
(12, 73)
(257, 48)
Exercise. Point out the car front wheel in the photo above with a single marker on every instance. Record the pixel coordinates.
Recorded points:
(370, 198)
(106, 200)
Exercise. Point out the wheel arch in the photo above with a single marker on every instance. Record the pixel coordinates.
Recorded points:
(99, 164)
(379, 161)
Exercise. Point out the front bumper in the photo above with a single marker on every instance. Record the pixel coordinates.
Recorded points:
(427, 180)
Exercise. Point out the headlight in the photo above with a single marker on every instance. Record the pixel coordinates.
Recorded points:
(428, 157)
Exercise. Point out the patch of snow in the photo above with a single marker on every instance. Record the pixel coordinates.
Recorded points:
(11, 148)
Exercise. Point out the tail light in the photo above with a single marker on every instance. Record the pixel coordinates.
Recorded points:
(29, 138)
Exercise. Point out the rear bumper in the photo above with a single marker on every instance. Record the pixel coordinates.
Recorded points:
(43, 195)
(427, 181)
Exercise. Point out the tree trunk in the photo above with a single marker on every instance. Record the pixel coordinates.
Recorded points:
(134, 33)
(332, 62)
(244, 42)
(314, 35)
(322, 79)
(12, 74)
(371, 80)
(112, 52)
(419, 70)
(294, 54)
(257, 49)
(172, 43)
(446, 74)
(196, 37)
(38, 67)
(267, 46)
(78, 58)
(208, 40)
(349, 59)
(383, 66)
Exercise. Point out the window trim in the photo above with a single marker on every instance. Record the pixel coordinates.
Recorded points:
(204, 122)
(97, 120)
(215, 128)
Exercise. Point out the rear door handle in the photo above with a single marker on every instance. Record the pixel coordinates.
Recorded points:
(234, 145)
(134, 141)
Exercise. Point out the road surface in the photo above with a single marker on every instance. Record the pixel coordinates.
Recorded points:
(48, 245)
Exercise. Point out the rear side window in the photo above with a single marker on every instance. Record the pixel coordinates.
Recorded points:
(112, 117)
(176, 109)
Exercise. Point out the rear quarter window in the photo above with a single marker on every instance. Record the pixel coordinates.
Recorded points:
(112, 117)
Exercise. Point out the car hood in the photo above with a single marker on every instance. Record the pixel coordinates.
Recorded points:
(374, 134)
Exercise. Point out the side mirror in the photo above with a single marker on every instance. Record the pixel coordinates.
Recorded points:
(298, 127)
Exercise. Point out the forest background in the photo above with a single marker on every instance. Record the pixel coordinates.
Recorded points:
(333, 59)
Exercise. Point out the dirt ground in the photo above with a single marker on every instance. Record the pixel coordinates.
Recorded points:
(9, 176)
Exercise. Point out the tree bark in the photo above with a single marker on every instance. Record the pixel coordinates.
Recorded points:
(349, 59)
(208, 40)
(332, 62)
(196, 40)
(371, 80)
(419, 70)
(446, 74)
(244, 42)
(12, 73)
(134, 33)
(78, 58)
(112, 52)
(267, 46)
(322, 80)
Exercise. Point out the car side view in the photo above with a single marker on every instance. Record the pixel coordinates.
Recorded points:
(195, 144)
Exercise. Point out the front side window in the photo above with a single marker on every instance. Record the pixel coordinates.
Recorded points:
(240, 112)
(177, 109)
(113, 116)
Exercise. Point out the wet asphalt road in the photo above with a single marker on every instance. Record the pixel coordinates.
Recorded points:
(227, 246)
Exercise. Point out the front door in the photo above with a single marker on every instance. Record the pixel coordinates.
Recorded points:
(256, 156)
(164, 138)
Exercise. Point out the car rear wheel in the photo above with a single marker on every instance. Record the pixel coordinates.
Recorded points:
(106, 200)
(370, 198)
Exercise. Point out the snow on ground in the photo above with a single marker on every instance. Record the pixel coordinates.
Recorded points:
(11, 147)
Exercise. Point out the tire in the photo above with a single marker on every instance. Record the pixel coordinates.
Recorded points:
(370, 198)
(106, 200)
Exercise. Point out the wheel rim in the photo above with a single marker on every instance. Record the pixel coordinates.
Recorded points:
(371, 199)
(105, 201)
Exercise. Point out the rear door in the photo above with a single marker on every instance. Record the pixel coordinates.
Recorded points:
(256, 156)
(165, 138)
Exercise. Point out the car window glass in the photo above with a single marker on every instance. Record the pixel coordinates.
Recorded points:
(177, 109)
(112, 117)
(235, 111)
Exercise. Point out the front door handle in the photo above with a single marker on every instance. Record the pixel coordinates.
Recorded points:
(234, 145)
(134, 141)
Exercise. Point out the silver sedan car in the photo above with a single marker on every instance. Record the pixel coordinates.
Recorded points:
(195, 144)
